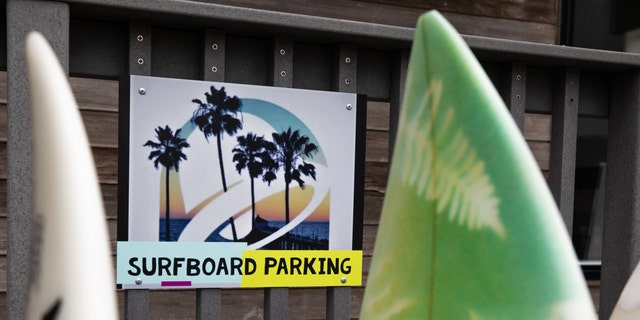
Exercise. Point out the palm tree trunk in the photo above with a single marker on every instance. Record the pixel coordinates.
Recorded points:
(224, 180)
(253, 206)
(166, 219)
(286, 203)
(286, 213)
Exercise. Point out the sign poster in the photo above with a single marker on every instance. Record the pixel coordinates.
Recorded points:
(229, 185)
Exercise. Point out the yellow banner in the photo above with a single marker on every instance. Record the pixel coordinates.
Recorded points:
(295, 268)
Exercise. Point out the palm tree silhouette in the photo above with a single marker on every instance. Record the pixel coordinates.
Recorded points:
(218, 116)
(168, 153)
(254, 154)
(291, 151)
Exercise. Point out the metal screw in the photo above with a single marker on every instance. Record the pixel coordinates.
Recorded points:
(571, 81)
(343, 280)
(518, 96)
(347, 81)
(282, 52)
(142, 91)
(214, 69)
(140, 61)
(519, 77)
(140, 38)
(347, 60)
(349, 106)
(139, 281)
(283, 73)
(214, 46)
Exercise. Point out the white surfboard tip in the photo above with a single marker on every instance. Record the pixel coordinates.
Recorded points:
(74, 266)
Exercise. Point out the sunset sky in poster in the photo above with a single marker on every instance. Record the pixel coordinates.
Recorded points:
(271, 208)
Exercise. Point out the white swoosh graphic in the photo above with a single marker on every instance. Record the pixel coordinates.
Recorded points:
(236, 200)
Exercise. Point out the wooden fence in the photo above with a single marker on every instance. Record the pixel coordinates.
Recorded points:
(547, 89)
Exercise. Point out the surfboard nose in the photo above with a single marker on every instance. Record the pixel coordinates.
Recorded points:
(71, 269)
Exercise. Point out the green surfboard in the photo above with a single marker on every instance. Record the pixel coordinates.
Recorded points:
(469, 229)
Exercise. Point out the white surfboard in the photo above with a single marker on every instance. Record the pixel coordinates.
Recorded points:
(628, 306)
(71, 270)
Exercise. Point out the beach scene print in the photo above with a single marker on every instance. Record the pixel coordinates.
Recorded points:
(223, 167)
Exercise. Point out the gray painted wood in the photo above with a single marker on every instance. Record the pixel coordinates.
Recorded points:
(282, 75)
(621, 226)
(339, 298)
(52, 20)
(564, 130)
(208, 300)
(139, 48)
(276, 303)
(136, 302)
(514, 91)
(276, 300)
(400, 68)
(208, 304)
(214, 50)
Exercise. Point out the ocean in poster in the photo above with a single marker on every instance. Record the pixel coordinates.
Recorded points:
(307, 235)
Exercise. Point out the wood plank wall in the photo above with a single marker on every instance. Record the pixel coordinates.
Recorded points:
(98, 100)
(535, 21)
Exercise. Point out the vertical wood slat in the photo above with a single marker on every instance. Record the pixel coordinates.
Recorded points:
(52, 20)
(136, 302)
(276, 303)
(400, 68)
(339, 298)
(621, 225)
(276, 300)
(514, 91)
(282, 75)
(563, 142)
(208, 301)
(214, 55)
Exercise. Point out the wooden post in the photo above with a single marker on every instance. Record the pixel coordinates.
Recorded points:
(399, 71)
(514, 91)
(136, 302)
(339, 298)
(52, 20)
(276, 300)
(208, 300)
(621, 225)
(563, 142)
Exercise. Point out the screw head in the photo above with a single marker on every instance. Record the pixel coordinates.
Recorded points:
(519, 77)
(283, 73)
(518, 96)
(140, 38)
(343, 280)
(214, 47)
(347, 81)
(142, 91)
(283, 52)
(140, 61)
(138, 281)
(347, 60)
(349, 106)
(214, 69)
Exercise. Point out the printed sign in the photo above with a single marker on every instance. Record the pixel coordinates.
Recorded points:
(218, 264)
(239, 176)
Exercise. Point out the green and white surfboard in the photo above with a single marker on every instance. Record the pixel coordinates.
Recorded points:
(71, 272)
(469, 229)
